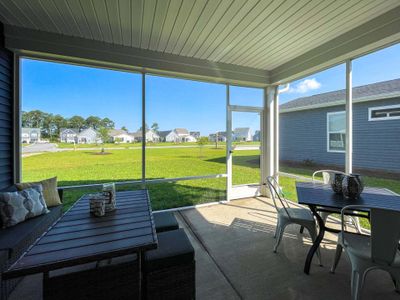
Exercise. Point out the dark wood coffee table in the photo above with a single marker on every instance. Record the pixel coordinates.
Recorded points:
(79, 238)
(320, 197)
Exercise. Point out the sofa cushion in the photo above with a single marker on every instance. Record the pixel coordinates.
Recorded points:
(16, 207)
(18, 238)
(50, 191)
(174, 248)
(165, 221)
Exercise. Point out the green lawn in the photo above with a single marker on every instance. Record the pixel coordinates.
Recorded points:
(86, 167)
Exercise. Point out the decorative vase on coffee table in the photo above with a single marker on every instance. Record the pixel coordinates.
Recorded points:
(351, 187)
(336, 182)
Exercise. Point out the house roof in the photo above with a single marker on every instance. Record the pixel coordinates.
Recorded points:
(115, 132)
(369, 92)
(163, 133)
(74, 130)
(181, 131)
(242, 131)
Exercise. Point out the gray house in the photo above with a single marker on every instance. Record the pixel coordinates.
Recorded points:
(314, 128)
(30, 135)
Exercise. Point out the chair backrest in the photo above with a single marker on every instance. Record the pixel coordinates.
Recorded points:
(385, 232)
(385, 235)
(326, 175)
(277, 194)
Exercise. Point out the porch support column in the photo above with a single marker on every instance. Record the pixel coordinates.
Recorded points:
(143, 130)
(276, 132)
(268, 140)
(349, 118)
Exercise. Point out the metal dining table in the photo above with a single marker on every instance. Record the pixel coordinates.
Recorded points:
(320, 198)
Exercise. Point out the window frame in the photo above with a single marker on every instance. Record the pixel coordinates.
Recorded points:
(371, 109)
(328, 132)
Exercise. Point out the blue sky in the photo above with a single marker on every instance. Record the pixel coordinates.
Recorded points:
(73, 90)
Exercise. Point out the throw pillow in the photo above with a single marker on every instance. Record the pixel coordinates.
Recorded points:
(16, 207)
(50, 192)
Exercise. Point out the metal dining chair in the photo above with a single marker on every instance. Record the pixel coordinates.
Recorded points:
(290, 215)
(377, 251)
(327, 178)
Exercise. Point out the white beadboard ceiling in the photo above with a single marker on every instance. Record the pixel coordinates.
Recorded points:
(262, 34)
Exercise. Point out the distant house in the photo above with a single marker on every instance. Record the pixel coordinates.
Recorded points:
(242, 134)
(88, 136)
(184, 135)
(151, 136)
(221, 136)
(257, 136)
(30, 135)
(195, 134)
(170, 136)
(69, 135)
(314, 128)
(121, 136)
(177, 135)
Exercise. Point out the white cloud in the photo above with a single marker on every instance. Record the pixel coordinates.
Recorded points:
(305, 86)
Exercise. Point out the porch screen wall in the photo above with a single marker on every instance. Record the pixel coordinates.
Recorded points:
(6, 108)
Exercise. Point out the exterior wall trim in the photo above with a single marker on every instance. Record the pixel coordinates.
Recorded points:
(343, 102)
(370, 109)
(327, 131)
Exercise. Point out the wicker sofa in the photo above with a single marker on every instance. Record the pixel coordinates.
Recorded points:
(15, 240)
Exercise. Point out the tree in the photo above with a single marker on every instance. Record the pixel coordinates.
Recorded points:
(76, 122)
(107, 123)
(202, 141)
(124, 128)
(155, 127)
(94, 122)
(103, 134)
(59, 122)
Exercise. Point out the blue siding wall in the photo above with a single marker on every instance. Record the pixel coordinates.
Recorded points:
(303, 136)
(6, 108)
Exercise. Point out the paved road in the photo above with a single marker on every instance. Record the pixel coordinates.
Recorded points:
(50, 147)
(45, 147)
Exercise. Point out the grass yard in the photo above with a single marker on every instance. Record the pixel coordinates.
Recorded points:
(86, 167)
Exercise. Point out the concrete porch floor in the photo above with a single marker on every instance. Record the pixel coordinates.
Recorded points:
(234, 258)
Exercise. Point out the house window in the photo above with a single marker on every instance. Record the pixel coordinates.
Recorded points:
(336, 131)
(390, 112)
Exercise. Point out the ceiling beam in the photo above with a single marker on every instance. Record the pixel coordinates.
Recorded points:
(377, 33)
(52, 46)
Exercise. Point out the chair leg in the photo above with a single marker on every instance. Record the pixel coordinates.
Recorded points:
(339, 250)
(301, 229)
(396, 280)
(313, 233)
(357, 281)
(277, 228)
(279, 236)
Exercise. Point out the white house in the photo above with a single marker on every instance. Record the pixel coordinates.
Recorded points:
(68, 135)
(121, 136)
(242, 134)
(88, 136)
(168, 136)
(30, 135)
(151, 136)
